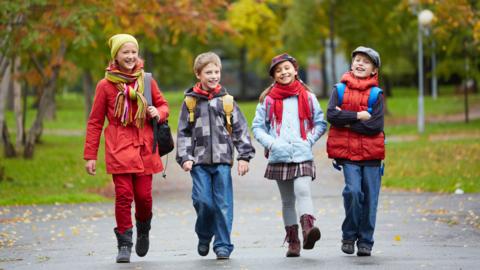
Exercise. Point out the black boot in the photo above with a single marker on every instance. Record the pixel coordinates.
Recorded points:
(142, 244)
(124, 245)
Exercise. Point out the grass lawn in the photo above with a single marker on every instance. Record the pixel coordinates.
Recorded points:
(56, 174)
(440, 166)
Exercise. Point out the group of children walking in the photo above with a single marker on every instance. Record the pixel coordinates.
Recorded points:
(288, 121)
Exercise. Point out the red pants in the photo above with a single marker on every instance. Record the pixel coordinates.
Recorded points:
(130, 187)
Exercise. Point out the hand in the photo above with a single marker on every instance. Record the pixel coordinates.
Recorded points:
(338, 108)
(242, 167)
(153, 112)
(187, 165)
(363, 115)
(91, 167)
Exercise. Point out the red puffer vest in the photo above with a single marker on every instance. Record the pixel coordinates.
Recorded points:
(343, 143)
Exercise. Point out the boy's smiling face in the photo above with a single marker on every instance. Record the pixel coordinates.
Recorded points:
(284, 73)
(209, 77)
(362, 66)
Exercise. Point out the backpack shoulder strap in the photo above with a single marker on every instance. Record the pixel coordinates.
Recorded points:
(340, 90)
(147, 84)
(268, 108)
(310, 103)
(228, 109)
(373, 97)
(191, 103)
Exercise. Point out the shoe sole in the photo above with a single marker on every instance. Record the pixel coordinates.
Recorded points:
(223, 257)
(363, 254)
(312, 237)
(123, 261)
(293, 255)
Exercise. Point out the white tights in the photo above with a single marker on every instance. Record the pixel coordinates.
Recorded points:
(297, 189)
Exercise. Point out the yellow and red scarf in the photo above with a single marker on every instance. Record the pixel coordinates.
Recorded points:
(128, 94)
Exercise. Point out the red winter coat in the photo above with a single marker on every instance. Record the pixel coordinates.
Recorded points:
(343, 143)
(128, 149)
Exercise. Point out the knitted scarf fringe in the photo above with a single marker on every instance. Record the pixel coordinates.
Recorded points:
(123, 103)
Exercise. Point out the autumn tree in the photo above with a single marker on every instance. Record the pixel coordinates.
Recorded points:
(257, 33)
(60, 41)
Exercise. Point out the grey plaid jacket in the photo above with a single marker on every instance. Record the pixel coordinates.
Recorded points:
(206, 140)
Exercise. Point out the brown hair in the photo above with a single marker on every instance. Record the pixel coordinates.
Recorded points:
(267, 90)
(204, 59)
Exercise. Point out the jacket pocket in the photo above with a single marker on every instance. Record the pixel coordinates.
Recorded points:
(280, 151)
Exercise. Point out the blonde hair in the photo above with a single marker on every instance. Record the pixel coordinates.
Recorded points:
(204, 59)
(267, 90)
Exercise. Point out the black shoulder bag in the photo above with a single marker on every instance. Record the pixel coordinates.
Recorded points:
(162, 135)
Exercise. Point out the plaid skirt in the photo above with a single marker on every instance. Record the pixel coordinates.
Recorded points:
(289, 171)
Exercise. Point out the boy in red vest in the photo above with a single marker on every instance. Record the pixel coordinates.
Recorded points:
(357, 143)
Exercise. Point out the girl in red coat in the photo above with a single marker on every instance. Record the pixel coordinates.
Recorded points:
(128, 141)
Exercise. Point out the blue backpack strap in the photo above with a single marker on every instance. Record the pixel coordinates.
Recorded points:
(340, 90)
(372, 98)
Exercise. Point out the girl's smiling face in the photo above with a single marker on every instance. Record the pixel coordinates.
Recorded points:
(127, 57)
(284, 73)
(209, 77)
(362, 66)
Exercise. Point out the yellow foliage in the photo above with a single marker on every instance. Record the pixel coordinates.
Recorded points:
(256, 26)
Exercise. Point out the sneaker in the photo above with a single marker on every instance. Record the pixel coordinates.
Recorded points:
(364, 251)
(222, 254)
(348, 246)
(203, 249)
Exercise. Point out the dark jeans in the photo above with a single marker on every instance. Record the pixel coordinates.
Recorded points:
(212, 197)
(360, 199)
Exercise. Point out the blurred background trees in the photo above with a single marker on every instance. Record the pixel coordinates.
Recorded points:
(52, 46)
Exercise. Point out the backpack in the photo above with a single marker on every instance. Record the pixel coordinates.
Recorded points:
(372, 98)
(162, 135)
(191, 103)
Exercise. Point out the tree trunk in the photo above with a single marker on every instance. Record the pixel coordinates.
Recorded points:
(24, 113)
(51, 112)
(323, 70)
(4, 63)
(9, 105)
(332, 40)
(36, 130)
(8, 148)
(88, 91)
(387, 89)
(3, 95)
(17, 103)
(47, 96)
(243, 72)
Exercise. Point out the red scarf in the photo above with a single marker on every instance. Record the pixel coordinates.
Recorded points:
(209, 94)
(360, 84)
(280, 92)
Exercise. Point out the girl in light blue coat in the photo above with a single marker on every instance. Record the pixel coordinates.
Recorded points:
(288, 121)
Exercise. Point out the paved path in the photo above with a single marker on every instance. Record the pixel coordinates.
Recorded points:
(414, 230)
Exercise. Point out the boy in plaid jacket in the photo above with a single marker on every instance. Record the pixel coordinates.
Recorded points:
(205, 148)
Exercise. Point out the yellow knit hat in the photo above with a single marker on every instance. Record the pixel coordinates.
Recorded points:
(118, 40)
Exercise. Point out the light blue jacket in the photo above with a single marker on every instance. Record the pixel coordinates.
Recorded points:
(288, 146)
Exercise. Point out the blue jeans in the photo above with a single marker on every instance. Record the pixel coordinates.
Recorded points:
(360, 199)
(212, 197)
